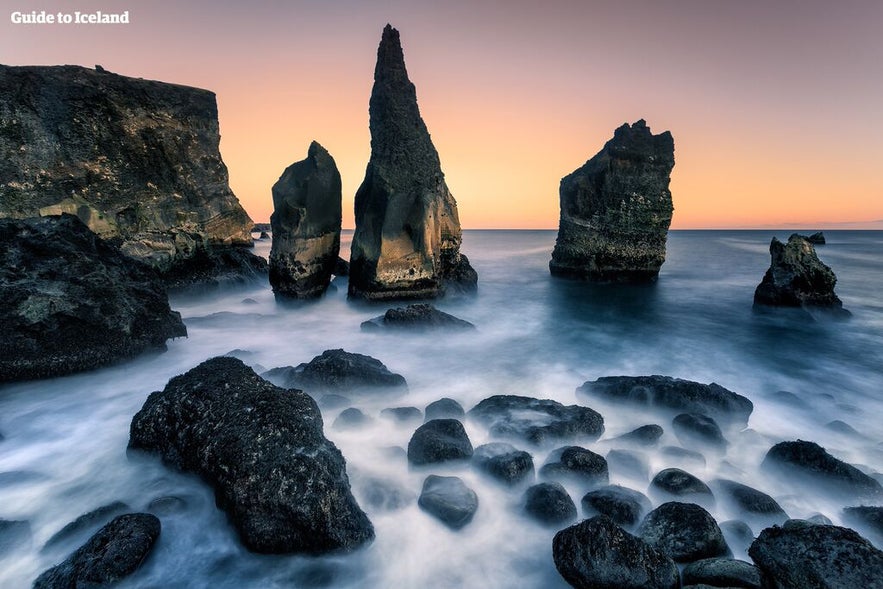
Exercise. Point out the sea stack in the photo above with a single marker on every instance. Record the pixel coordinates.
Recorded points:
(407, 239)
(306, 226)
(616, 210)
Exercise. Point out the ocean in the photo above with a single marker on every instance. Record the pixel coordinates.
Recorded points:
(65, 447)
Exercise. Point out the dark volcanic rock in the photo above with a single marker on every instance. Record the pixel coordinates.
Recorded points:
(384, 495)
(136, 160)
(71, 302)
(866, 518)
(415, 317)
(803, 462)
(817, 238)
(801, 555)
(723, 572)
(692, 428)
(684, 531)
(283, 484)
(444, 408)
(598, 554)
(629, 463)
(576, 464)
(87, 523)
(407, 238)
(680, 483)
(549, 504)
(538, 421)
(797, 278)
(351, 418)
(624, 506)
(439, 440)
(402, 414)
(306, 226)
(646, 435)
(616, 210)
(216, 266)
(504, 462)
(738, 534)
(683, 396)
(338, 371)
(754, 505)
(113, 553)
(448, 499)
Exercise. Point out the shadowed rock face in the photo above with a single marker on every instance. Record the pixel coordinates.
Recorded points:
(306, 226)
(616, 210)
(136, 160)
(407, 238)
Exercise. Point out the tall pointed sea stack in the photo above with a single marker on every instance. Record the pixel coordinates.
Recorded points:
(616, 210)
(306, 226)
(407, 239)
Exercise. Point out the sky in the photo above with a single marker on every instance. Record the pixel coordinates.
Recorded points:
(776, 108)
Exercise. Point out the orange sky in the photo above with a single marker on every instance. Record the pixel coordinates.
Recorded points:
(776, 107)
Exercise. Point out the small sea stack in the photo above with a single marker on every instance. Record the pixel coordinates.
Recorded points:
(616, 210)
(407, 239)
(306, 226)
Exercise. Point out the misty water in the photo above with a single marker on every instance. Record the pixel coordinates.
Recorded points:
(65, 447)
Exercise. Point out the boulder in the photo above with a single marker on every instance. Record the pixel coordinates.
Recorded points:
(695, 428)
(800, 555)
(351, 418)
(616, 210)
(797, 278)
(628, 463)
(136, 160)
(868, 519)
(624, 506)
(598, 554)
(682, 456)
(416, 317)
(802, 463)
(538, 421)
(549, 504)
(402, 414)
(262, 449)
(680, 483)
(504, 462)
(70, 301)
(444, 408)
(449, 500)
(646, 435)
(439, 440)
(683, 531)
(306, 226)
(339, 371)
(675, 394)
(86, 524)
(113, 553)
(383, 495)
(817, 238)
(738, 534)
(407, 238)
(722, 572)
(573, 463)
(755, 506)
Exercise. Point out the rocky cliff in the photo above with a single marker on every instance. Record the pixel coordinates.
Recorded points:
(135, 160)
(616, 210)
(306, 226)
(407, 238)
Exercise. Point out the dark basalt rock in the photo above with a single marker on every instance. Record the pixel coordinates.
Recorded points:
(306, 226)
(683, 531)
(616, 210)
(407, 238)
(803, 462)
(624, 506)
(817, 238)
(576, 464)
(682, 455)
(351, 418)
(444, 408)
(683, 396)
(692, 428)
(136, 160)
(646, 435)
(797, 278)
(629, 463)
(113, 553)
(219, 265)
(283, 484)
(86, 524)
(449, 500)
(416, 317)
(342, 267)
(338, 371)
(868, 519)
(738, 534)
(598, 554)
(755, 505)
(723, 572)
(549, 504)
(402, 414)
(538, 421)
(504, 462)
(72, 302)
(439, 440)
(800, 555)
(680, 483)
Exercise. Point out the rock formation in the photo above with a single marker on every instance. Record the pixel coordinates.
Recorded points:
(70, 301)
(797, 278)
(416, 317)
(136, 160)
(616, 210)
(306, 226)
(407, 238)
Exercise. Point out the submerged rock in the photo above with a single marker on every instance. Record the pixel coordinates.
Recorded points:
(416, 317)
(722, 572)
(86, 523)
(306, 226)
(754, 505)
(444, 408)
(283, 484)
(504, 462)
(402, 414)
(407, 238)
(683, 531)
(70, 301)
(384, 495)
(797, 278)
(629, 463)
(868, 519)
(576, 464)
(616, 210)
(538, 421)
(351, 418)
(549, 503)
(646, 435)
(338, 371)
(439, 440)
(113, 553)
(449, 500)
(598, 554)
(14, 535)
(680, 483)
(624, 506)
(693, 428)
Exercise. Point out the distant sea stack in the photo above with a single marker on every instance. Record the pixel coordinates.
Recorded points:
(306, 226)
(407, 239)
(136, 160)
(616, 210)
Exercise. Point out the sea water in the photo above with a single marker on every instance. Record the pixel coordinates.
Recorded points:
(65, 447)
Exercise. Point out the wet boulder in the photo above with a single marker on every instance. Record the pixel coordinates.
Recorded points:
(439, 440)
(338, 371)
(682, 457)
(738, 534)
(646, 435)
(382, 494)
(755, 506)
(549, 504)
(444, 408)
(538, 421)
(683, 531)
(351, 418)
(416, 317)
(504, 462)
(86, 524)
(674, 482)
(576, 464)
(695, 428)
(624, 506)
(402, 414)
(449, 500)
(627, 463)
(722, 572)
(867, 519)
